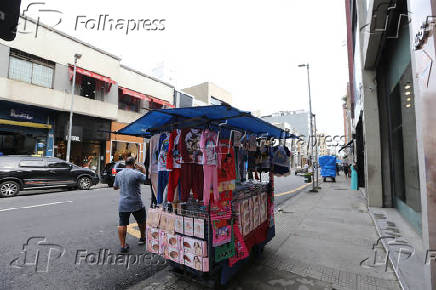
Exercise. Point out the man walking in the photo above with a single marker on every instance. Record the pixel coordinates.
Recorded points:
(129, 182)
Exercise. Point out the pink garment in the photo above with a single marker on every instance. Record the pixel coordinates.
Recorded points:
(210, 179)
(209, 147)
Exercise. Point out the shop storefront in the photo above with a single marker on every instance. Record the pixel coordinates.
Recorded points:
(25, 130)
(88, 140)
(398, 133)
(121, 146)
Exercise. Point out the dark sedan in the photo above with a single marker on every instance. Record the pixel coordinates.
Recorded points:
(27, 172)
(110, 170)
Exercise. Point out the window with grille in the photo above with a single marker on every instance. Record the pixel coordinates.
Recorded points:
(30, 69)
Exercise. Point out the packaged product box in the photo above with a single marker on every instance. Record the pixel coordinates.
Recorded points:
(178, 224)
(153, 217)
(163, 221)
(263, 208)
(199, 228)
(195, 246)
(163, 243)
(246, 218)
(171, 219)
(174, 247)
(256, 211)
(196, 262)
(205, 264)
(251, 203)
(152, 240)
(188, 224)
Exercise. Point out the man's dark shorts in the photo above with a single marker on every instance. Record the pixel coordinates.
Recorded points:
(139, 217)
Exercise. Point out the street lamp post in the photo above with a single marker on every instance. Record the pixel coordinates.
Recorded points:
(316, 153)
(311, 127)
(70, 124)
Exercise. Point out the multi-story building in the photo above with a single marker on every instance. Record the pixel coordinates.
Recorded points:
(391, 50)
(36, 94)
(299, 122)
(209, 93)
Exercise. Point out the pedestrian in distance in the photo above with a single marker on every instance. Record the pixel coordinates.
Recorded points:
(129, 181)
(354, 177)
(346, 169)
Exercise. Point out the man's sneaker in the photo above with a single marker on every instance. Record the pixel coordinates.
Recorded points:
(124, 250)
(141, 241)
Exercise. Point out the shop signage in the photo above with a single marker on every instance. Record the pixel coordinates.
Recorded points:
(14, 113)
(73, 138)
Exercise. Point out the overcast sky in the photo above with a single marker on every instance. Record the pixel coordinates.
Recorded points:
(250, 48)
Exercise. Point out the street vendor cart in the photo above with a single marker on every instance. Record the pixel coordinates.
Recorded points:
(212, 173)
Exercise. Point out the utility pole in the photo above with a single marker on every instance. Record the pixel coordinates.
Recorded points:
(316, 153)
(70, 124)
(314, 189)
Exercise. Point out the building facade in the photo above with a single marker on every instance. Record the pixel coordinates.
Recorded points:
(300, 126)
(391, 50)
(35, 99)
(209, 93)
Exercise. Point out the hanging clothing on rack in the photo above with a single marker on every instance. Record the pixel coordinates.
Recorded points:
(174, 162)
(154, 156)
(281, 160)
(189, 146)
(163, 174)
(208, 146)
(191, 173)
(226, 168)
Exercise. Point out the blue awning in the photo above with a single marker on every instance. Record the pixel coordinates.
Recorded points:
(221, 116)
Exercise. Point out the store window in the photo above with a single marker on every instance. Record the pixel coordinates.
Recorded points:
(121, 150)
(30, 69)
(90, 88)
(128, 103)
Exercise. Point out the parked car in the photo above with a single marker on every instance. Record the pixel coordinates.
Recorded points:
(301, 170)
(27, 172)
(110, 170)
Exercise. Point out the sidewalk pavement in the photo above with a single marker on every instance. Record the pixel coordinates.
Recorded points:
(323, 240)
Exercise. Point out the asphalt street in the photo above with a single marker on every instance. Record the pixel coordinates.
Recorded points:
(67, 239)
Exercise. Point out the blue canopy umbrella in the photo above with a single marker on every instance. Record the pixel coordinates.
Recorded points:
(222, 116)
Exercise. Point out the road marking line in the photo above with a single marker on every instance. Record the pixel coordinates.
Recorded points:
(6, 209)
(292, 191)
(133, 231)
(37, 205)
(45, 204)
